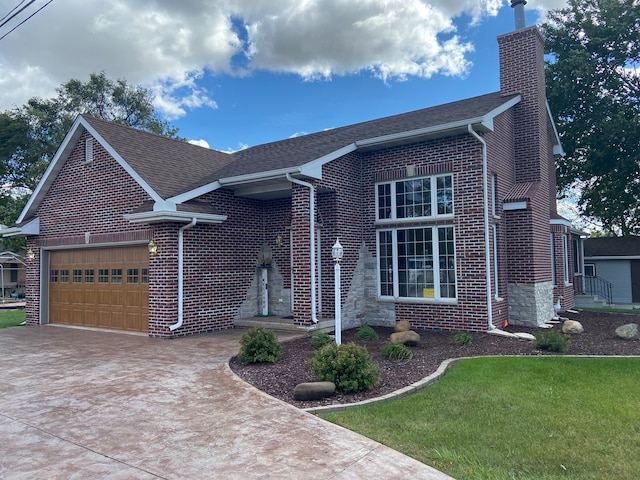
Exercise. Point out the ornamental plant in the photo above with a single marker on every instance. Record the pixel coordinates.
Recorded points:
(366, 332)
(259, 345)
(396, 351)
(348, 365)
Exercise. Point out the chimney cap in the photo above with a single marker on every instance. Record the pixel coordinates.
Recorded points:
(514, 3)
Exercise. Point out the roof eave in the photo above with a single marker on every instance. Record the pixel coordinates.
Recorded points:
(162, 216)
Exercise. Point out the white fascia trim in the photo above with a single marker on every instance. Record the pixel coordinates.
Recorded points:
(313, 169)
(190, 195)
(514, 206)
(64, 150)
(557, 148)
(255, 177)
(560, 221)
(31, 228)
(486, 121)
(173, 216)
(612, 257)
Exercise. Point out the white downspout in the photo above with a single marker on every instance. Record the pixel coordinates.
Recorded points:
(485, 205)
(312, 234)
(180, 273)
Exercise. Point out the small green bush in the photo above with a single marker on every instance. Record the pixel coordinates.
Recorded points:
(365, 332)
(259, 345)
(396, 351)
(320, 339)
(348, 365)
(461, 339)
(552, 341)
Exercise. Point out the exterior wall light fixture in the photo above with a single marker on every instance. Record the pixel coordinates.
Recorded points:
(31, 256)
(153, 248)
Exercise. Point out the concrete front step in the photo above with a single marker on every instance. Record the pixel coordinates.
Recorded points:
(285, 324)
(589, 301)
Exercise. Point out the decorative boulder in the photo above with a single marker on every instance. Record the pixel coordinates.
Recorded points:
(314, 390)
(406, 338)
(402, 326)
(628, 331)
(572, 327)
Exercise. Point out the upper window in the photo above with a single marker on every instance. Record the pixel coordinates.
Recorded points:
(415, 198)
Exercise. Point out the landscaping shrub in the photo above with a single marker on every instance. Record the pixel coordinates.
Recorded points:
(461, 338)
(552, 341)
(320, 339)
(365, 332)
(396, 351)
(348, 365)
(259, 345)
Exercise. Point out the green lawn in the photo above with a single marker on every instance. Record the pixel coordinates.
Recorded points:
(11, 318)
(517, 418)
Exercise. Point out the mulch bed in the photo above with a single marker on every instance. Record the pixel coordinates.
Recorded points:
(280, 379)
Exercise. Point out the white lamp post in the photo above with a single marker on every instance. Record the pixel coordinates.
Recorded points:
(336, 252)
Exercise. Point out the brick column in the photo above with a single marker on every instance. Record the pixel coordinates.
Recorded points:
(301, 267)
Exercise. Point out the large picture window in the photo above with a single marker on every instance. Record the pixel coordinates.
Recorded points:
(425, 197)
(417, 263)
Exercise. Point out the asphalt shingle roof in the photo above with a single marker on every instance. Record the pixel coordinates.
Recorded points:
(628, 246)
(172, 167)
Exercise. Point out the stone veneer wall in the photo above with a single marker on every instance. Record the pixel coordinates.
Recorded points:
(530, 305)
(361, 305)
(279, 296)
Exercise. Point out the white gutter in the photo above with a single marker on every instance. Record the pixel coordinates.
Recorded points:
(180, 274)
(485, 207)
(312, 235)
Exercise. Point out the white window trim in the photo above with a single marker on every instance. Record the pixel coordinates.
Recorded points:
(554, 280)
(565, 259)
(434, 201)
(436, 268)
(496, 278)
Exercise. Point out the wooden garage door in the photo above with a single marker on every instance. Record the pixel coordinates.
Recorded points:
(106, 288)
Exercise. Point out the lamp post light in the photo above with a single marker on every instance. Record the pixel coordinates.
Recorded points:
(336, 252)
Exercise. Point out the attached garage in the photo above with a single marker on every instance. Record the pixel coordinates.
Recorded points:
(100, 287)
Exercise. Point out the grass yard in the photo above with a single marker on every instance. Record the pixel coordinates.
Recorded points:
(11, 318)
(536, 418)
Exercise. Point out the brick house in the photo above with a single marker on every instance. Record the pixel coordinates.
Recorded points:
(445, 215)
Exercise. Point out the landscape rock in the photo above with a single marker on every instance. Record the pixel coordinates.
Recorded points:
(314, 390)
(406, 338)
(628, 331)
(572, 327)
(402, 326)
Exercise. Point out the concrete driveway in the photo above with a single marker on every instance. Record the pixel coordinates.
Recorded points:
(78, 404)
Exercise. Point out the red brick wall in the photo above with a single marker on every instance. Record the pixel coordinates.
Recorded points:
(80, 201)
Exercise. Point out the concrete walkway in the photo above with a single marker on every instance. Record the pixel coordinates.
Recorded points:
(77, 404)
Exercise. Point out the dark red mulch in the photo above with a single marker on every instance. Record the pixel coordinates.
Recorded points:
(280, 379)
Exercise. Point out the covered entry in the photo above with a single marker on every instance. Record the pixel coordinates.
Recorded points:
(100, 287)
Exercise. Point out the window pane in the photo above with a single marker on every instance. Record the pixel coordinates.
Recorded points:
(415, 263)
(384, 201)
(144, 278)
(103, 275)
(132, 275)
(77, 275)
(447, 262)
(88, 275)
(444, 192)
(53, 276)
(116, 275)
(413, 198)
(64, 276)
(385, 257)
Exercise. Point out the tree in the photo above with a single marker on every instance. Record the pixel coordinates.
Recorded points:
(31, 134)
(593, 88)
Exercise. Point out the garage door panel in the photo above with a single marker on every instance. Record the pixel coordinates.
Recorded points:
(100, 288)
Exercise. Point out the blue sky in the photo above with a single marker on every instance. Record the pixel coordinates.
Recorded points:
(266, 107)
(238, 73)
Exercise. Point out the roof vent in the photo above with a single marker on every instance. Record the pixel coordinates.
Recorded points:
(88, 150)
(518, 10)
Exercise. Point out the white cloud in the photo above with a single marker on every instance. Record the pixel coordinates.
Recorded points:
(200, 143)
(168, 45)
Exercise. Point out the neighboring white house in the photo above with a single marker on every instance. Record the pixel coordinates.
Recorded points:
(615, 260)
(12, 276)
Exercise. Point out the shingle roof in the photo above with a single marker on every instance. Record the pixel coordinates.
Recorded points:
(169, 166)
(172, 167)
(628, 246)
